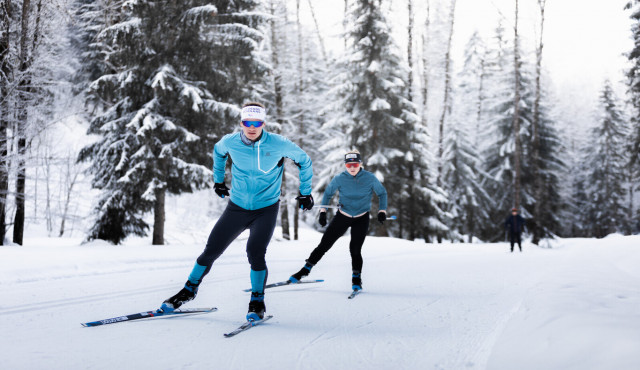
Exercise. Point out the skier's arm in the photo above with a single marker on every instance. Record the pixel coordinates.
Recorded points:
(381, 192)
(329, 191)
(303, 161)
(220, 155)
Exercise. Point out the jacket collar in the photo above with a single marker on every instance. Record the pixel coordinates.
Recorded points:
(250, 142)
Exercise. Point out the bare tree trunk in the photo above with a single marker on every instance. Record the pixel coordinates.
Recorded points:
(320, 39)
(18, 224)
(159, 216)
(278, 93)
(344, 23)
(410, 50)
(70, 177)
(300, 91)
(447, 92)
(537, 176)
(480, 101)
(5, 73)
(411, 208)
(516, 114)
(425, 65)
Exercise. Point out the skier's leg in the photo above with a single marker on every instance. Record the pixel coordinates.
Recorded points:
(512, 240)
(261, 231)
(337, 227)
(230, 225)
(359, 230)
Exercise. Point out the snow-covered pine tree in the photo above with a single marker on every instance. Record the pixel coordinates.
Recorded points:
(551, 165)
(181, 71)
(90, 18)
(498, 139)
(469, 204)
(606, 162)
(499, 143)
(471, 81)
(633, 83)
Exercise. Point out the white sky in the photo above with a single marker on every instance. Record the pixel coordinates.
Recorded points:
(584, 39)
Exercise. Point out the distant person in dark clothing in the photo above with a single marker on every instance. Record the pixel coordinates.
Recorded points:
(514, 225)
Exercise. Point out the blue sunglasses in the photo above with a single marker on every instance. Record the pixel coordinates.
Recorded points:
(253, 123)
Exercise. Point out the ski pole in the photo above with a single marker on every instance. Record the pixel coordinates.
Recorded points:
(324, 206)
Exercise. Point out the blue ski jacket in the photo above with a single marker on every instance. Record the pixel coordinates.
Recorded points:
(355, 192)
(256, 168)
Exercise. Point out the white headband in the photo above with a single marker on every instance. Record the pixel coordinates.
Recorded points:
(253, 112)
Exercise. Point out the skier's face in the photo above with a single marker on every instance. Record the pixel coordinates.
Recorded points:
(252, 132)
(352, 168)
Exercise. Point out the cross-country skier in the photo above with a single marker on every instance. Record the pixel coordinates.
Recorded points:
(514, 225)
(257, 158)
(355, 187)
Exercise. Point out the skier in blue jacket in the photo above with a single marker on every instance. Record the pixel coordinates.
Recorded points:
(355, 187)
(257, 158)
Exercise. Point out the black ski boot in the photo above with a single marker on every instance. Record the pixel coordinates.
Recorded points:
(356, 281)
(295, 278)
(186, 294)
(256, 307)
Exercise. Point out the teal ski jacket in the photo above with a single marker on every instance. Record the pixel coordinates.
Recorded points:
(355, 192)
(256, 168)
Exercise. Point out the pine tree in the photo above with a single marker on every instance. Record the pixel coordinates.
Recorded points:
(182, 69)
(500, 144)
(469, 203)
(606, 212)
(633, 82)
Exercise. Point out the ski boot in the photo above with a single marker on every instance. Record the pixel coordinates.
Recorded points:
(186, 294)
(295, 278)
(256, 307)
(356, 281)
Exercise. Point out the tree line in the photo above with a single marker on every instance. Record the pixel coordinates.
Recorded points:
(457, 143)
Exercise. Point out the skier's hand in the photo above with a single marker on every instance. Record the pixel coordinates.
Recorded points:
(221, 189)
(382, 216)
(305, 202)
(322, 220)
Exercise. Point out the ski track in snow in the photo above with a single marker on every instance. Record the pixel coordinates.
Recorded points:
(424, 307)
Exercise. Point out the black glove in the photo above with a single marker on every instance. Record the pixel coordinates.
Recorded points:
(322, 220)
(305, 202)
(221, 189)
(381, 217)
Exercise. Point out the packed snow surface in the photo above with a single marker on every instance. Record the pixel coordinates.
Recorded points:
(575, 305)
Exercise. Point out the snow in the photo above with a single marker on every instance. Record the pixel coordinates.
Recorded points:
(425, 306)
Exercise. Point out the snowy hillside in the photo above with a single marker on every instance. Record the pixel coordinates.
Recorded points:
(425, 306)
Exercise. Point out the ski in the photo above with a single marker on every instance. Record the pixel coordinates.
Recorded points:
(354, 293)
(288, 282)
(246, 326)
(149, 315)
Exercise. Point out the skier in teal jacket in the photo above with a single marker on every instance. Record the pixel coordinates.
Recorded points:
(257, 158)
(355, 187)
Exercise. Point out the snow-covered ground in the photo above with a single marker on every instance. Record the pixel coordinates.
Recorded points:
(425, 306)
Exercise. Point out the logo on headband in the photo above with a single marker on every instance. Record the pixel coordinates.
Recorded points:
(352, 157)
(253, 113)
